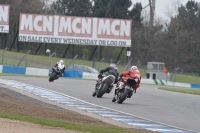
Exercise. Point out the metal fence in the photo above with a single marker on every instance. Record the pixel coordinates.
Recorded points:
(25, 59)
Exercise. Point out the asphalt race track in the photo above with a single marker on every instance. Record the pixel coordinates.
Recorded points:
(171, 108)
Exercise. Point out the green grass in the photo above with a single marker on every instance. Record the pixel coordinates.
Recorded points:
(66, 125)
(182, 90)
(187, 79)
(41, 61)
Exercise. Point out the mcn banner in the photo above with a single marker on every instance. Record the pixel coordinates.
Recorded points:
(4, 18)
(75, 30)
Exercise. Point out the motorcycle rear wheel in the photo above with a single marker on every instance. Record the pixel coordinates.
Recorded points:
(102, 90)
(123, 96)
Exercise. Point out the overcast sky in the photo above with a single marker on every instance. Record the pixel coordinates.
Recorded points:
(161, 6)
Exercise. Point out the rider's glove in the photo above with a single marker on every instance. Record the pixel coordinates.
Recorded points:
(100, 76)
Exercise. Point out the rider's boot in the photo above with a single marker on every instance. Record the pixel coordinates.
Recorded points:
(96, 87)
(94, 94)
(130, 94)
(110, 89)
(115, 96)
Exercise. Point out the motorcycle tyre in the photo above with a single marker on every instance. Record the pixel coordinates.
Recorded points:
(123, 96)
(102, 90)
(52, 77)
(113, 100)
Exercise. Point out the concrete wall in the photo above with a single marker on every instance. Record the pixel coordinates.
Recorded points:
(37, 71)
(1, 68)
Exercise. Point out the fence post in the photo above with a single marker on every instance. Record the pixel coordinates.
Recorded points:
(99, 63)
(23, 58)
(72, 60)
(128, 64)
(3, 54)
(51, 60)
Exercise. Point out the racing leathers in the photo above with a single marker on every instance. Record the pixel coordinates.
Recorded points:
(108, 71)
(61, 66)
(133, 74)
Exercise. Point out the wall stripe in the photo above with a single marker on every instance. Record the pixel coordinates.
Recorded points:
(162, 83)
(155, 81)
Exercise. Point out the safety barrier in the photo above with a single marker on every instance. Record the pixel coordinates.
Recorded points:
(14, 69)
(73, 74)
(197, 86)
(83, 75)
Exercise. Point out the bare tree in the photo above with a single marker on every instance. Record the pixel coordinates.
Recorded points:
(172, 10)
(152, 11)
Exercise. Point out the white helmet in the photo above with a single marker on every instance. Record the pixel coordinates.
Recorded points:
(134, 68)
(61, 61)
(113, 66)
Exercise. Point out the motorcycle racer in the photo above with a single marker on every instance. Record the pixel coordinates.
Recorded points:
(110, 70)
(134, 73)
(61, 65)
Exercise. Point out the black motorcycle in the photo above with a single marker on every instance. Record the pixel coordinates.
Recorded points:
(104, 85)
(125, 91)
(55, 74)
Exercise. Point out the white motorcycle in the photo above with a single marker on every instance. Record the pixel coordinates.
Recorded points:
(56, 73)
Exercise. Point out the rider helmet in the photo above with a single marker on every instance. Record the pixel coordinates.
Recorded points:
(134, 68)
(113, 66)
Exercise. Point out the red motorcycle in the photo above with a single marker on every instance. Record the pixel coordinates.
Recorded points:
(125, 88)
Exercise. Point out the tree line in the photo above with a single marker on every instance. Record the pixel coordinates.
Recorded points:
(176, 43)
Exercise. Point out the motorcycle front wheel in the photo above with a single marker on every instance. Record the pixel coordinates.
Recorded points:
(102, 90)
(123, 96)
(52, 77)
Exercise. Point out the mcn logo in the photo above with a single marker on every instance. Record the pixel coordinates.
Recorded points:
(36, 24)
(111, 28)
(75, 26)
(4, 14)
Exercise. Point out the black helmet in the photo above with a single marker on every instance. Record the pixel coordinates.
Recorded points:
(113, 66)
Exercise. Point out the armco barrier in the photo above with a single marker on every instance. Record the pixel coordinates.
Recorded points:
(37, 71)
(147, 81)
(1, 68)
(73, 74)
(14, 69)
(195, 86)
(89, 75)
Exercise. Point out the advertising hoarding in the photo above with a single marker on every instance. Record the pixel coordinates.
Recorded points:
(75, 30)
(4, 18)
